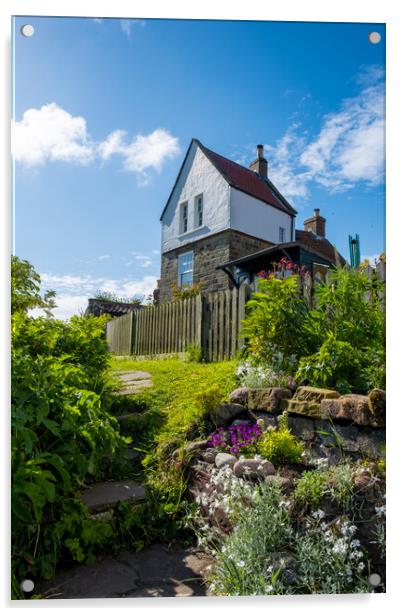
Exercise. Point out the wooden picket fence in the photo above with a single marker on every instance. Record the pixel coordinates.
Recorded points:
(211, 321)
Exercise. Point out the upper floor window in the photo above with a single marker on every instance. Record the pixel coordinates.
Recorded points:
(281, 234)
(185, 269)
(198, 211)
(184, 217)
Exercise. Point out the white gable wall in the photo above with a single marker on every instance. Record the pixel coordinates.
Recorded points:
(198, 176)
(258, 219)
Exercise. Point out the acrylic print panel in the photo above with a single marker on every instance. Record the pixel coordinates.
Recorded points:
(172, 439)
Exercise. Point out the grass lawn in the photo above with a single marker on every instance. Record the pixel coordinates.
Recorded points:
(181, 394)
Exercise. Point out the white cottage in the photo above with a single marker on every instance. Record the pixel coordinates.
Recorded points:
(217, 212)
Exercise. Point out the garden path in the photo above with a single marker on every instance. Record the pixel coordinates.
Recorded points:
(133, 382)
(156, 571)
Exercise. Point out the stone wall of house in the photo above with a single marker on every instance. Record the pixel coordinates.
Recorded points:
(209, 253)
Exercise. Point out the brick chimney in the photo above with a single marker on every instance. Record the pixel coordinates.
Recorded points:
(260, 165)
(316, 224)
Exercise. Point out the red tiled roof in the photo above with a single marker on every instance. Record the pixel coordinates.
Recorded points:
(246, 180)
(320, 245)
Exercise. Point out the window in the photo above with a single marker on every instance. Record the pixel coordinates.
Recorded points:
(184, 217)
(281, 234)
(198, 210)
(185, 269)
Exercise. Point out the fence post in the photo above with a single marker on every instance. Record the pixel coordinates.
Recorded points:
(133, 332)
(199, 304)
(244, 292)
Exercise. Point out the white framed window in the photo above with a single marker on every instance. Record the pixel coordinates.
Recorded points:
(198, 211)
(281, 234)
(184, 217)
(185, 269)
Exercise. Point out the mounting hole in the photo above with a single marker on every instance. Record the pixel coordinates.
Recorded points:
(27, 30)
(374, 579)
(374, 37)
(27, 585)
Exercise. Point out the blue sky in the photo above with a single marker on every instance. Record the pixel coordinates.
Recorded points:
(104, 111)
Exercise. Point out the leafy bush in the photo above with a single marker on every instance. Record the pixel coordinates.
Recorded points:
(275, 318)
(60, 434)
(186, 290)
(193, 353)
(310, 488)
(280, 446)
(335, 482)
(256, 375)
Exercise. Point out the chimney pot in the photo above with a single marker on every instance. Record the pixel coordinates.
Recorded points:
(316, 224)
(260, 165)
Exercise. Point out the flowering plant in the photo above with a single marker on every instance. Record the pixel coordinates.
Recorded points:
(257, 376)
(283, 268)
(242, 436)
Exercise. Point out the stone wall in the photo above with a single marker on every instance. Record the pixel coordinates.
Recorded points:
(329, 423)
(209, 253)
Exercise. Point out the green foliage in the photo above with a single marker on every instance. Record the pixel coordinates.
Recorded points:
(25, 288)
(310, 488)
(275, 318)
(175, 410)
(280, 447)
(193, 353)
(244, 564)
(108, 296)
(61, 434)
(335, 482)
(346, 334)
(339, 344)
(186, 291)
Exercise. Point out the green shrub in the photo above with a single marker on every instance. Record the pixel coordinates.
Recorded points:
(193, 353)
(280, 446)
(61, 433)
(310, 488)
(274, 320)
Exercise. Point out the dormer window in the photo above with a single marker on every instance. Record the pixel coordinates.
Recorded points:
(281, 234)
(198, 211)
(184, 217)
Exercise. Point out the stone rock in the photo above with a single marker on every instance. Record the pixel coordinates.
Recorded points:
(377, 406)
(225, 459)
(239, 396)
(288, 564)
(269, 399)
(268, 419)
(314, 394)
(253, 469)
(105, 495)
(283, 482)
(302, 407)
(351, 407)
(369, 446)
(225, 413)
(208, 455)
(191, 448)
(302, 427)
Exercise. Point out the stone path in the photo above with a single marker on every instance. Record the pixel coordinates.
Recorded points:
(133, 382)
(106, 494)
(156, 571)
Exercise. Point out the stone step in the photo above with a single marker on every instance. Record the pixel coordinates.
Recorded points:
(133, 382)
(105, 495)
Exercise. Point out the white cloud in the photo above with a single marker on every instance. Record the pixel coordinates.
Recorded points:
(97, 20)
(348, 149)
(103, 257)
(143, 152)
(73, 292)
(51, 133)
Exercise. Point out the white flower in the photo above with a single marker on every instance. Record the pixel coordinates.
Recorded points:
(241, 563)
(355, 543)
(361, 566)
(319, 514)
